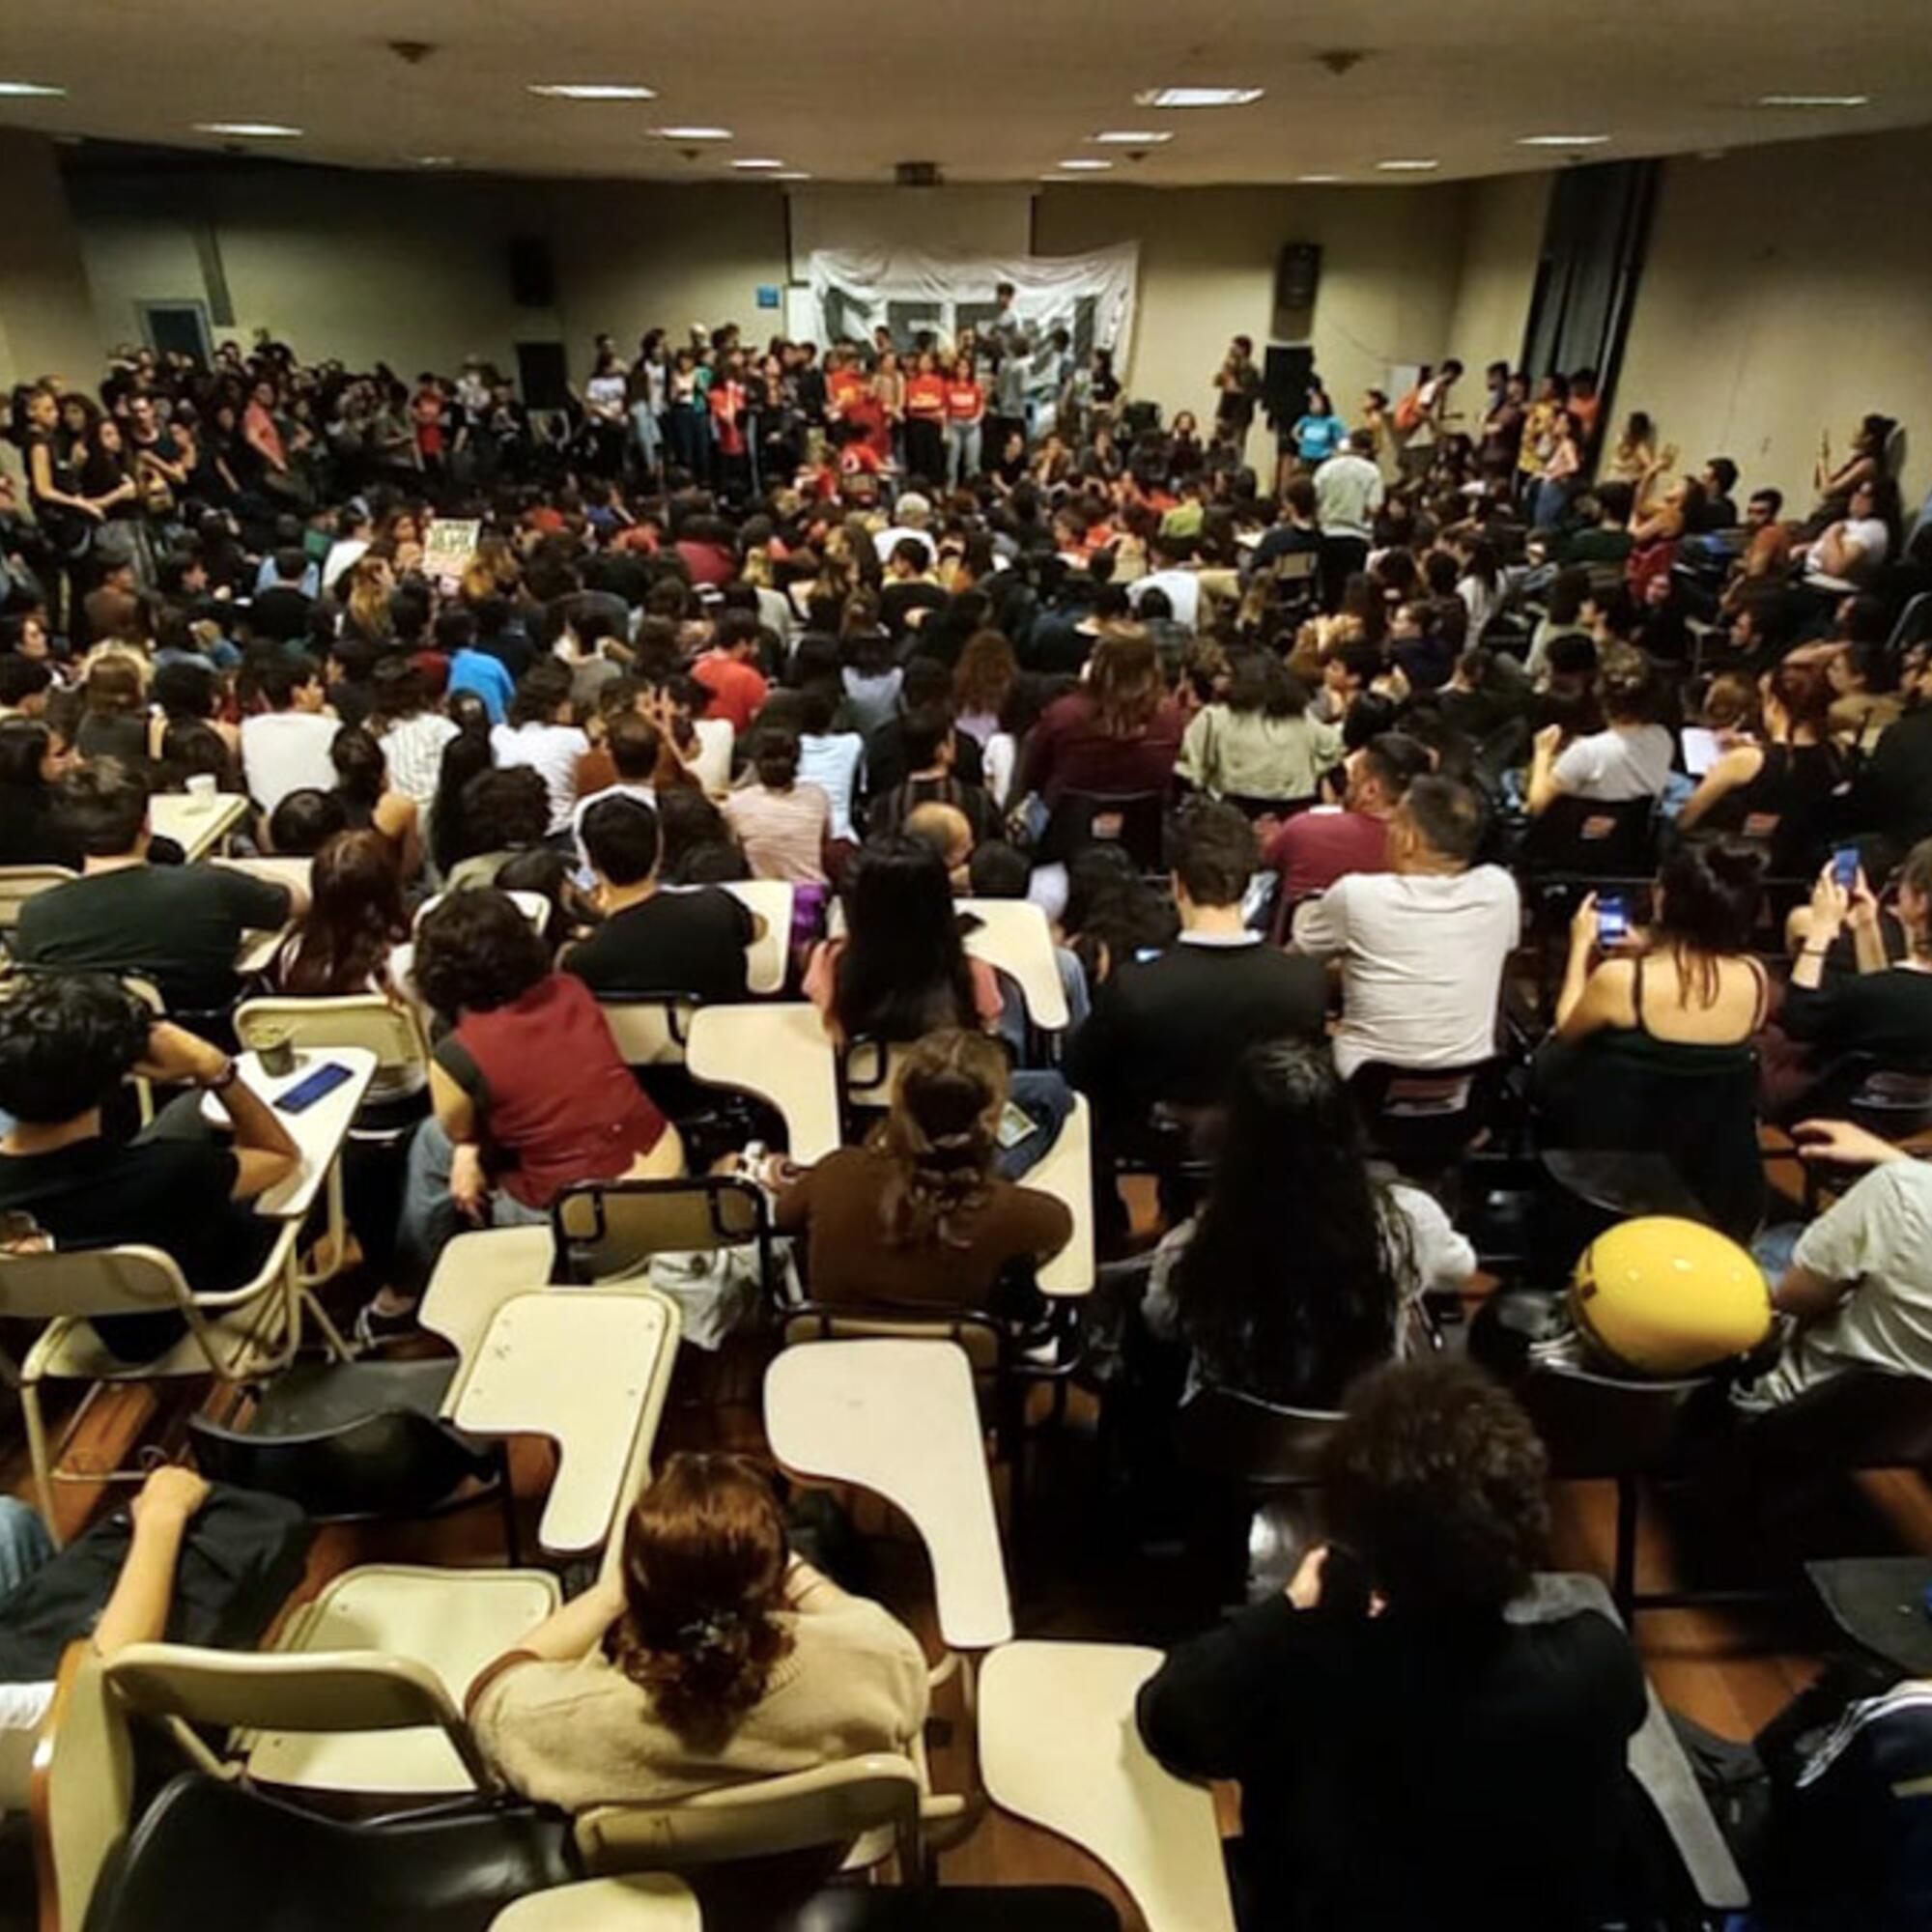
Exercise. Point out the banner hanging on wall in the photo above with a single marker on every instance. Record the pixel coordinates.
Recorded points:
(1092, 295)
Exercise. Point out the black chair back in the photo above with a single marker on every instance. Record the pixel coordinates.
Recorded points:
(213, 1857)
(1133, 820)
(1580, 837)
(1862, 1419)
(1596, 1426)
(1260, 1446)
(1423, 1120)
(348, 1444)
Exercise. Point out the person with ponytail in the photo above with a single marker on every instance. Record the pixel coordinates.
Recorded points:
(712, 1656)
(919, 1216)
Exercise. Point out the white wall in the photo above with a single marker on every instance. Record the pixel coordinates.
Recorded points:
(1788, 290)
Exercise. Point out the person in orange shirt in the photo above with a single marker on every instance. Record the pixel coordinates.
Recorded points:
(965, 412)
(730, 673)
(925, 420)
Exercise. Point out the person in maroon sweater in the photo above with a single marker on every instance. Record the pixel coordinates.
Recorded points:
(529, 1091)
(1316, 848)
(1119, 732)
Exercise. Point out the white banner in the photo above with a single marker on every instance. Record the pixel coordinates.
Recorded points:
(1092, 297)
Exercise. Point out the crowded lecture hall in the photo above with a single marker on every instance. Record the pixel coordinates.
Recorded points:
(1041, 1040)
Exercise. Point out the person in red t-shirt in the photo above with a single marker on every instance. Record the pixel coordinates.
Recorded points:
(729, 670)
(727, 401)
(965, 412)
(925, 420)
(1316, 848)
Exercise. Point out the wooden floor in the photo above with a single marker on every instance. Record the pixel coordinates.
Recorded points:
(1085, 1575)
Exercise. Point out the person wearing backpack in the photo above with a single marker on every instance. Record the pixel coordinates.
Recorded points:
(1420, 416)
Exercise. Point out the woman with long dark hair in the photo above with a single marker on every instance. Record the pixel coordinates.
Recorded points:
(902, 970)
(465, 756)
(919, 1216)
(1297, 1275)
(355, 922)
(711, 1655)
(1652, 1049)
(369, 802)
(30, 831)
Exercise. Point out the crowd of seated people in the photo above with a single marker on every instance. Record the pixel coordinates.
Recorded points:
(1294, 779)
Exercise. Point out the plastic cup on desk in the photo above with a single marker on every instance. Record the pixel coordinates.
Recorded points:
(277, 1054)
(200, 787)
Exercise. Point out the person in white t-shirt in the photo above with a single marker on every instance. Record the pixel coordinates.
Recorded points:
(1349, 490)
(354, 534)
(1167, 559)
(1851, 552)
(1858, 1284)
(1629, 758)
(1423, 945)
(413, 737)
(914, 513)
(540, 734)
(286, 747)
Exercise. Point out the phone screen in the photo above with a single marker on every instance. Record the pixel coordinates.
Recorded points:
(1613, 918)
(1014, 1126)
(306, 1093)
(1846, 866)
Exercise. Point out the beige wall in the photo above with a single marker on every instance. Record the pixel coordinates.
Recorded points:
(46, 318)
(1503, 237)
(1389, 265)
(1788, 290)
(414, 272)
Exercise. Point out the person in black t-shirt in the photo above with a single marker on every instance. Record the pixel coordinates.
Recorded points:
(1408, 1756)
(67, 1043)
(1173, 1029)
(654, 941)
(177, 926)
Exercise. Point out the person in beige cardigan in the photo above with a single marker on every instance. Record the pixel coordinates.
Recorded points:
(715, 1657)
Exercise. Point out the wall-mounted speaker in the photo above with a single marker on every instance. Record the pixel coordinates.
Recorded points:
(533, 274)
(1297, 275)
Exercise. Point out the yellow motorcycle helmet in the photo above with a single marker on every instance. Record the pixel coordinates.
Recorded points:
(1668, 1297)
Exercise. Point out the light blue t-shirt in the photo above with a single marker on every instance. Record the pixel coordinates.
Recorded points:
(1318, 438)
(487, 676)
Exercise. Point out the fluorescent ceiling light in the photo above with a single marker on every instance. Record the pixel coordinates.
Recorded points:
(252, 131)
(431, 160)
(791, 175)
(1317, 180)
(593, 90)
(30, 90)
(1085, 168)
(1408, 167)
(1561, 140)
(1198, 97)
(694, 133)
(1814, 101)
(1129, 137)
(762, 165)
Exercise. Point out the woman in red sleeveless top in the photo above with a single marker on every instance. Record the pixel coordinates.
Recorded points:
(529, 1091)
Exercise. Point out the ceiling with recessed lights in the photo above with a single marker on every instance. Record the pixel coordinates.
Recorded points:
(1004, 90)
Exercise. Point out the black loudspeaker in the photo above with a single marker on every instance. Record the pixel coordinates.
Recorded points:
(1297, 275)
(533, 274)
(543, 374)
(1287, 377)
